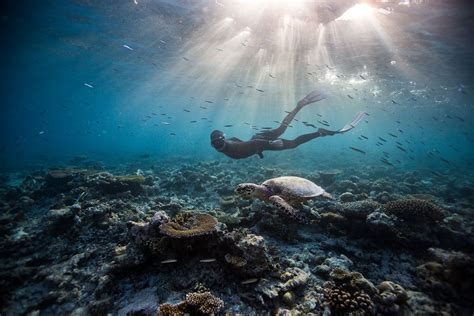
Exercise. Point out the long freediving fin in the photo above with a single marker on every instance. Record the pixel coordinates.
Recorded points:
(357, 118)
(313, 96)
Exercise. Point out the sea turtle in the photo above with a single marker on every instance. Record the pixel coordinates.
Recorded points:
(283, 192)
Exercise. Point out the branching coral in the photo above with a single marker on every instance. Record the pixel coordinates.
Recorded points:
(415, 211)
(189, 225)
(195, 303)
(342, 302)
(205, 303)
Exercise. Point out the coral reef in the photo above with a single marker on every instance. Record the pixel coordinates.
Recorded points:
(82, 241)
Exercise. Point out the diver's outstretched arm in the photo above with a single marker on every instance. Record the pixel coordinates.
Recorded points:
(314, 96)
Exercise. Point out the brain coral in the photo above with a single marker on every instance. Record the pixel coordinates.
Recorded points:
(189, 225)
(415, 210)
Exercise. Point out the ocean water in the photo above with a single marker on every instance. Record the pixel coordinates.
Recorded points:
(135, 87)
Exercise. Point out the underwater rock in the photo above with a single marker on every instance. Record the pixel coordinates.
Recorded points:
(328, 176)
(106, 183)
(189, 225)
(253, 250)
(61, 220)
(381, 224)
(353, 281)
(347, 197)
(415, 211)
(391, 297)
(450, 274)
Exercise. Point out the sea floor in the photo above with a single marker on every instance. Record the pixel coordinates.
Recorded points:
(172, 238)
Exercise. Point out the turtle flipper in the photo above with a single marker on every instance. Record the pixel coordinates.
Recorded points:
(284, 206)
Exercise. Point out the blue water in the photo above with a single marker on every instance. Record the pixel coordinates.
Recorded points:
(51, 50)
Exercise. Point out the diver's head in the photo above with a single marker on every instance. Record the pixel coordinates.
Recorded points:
(218, 140)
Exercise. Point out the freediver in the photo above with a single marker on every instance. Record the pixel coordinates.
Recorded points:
(269, 139)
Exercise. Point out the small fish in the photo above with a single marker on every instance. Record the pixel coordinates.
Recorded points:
(357, 149)
(364, 137)
(203, 107)
(165, 123)
(169, 261)
(379, 144)
(249, 281)
(186, 110)
(266, 127)
(228, 125)
(362, 77)
(162, 41)
(192, 121)
(185, 58)
(209, 101)
(444, 160)
(399, 143)
(311, 125)
(271, 76)
(459, 118)
(88, 85)
(219, 49)
(172, 134)
(386, 162)
(393, 135)
(382, 139)
(237, 85)
(316, 114)
(322, 123)
(402, 149)
(207, 260)
(394, 102)
(401, 131)
(288, 112)
(276, 122)
(127, 47)
(41, 133)
(259, 90)
(350, 97)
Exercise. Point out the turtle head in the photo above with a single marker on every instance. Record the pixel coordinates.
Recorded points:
(246, 190)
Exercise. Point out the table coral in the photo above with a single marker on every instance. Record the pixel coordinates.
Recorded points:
(189, 225)
(415, 211)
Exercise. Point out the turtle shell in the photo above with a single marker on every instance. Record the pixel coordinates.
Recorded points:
(293, 187)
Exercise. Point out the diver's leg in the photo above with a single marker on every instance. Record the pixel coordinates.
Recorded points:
(282, 144)
(273, 134)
